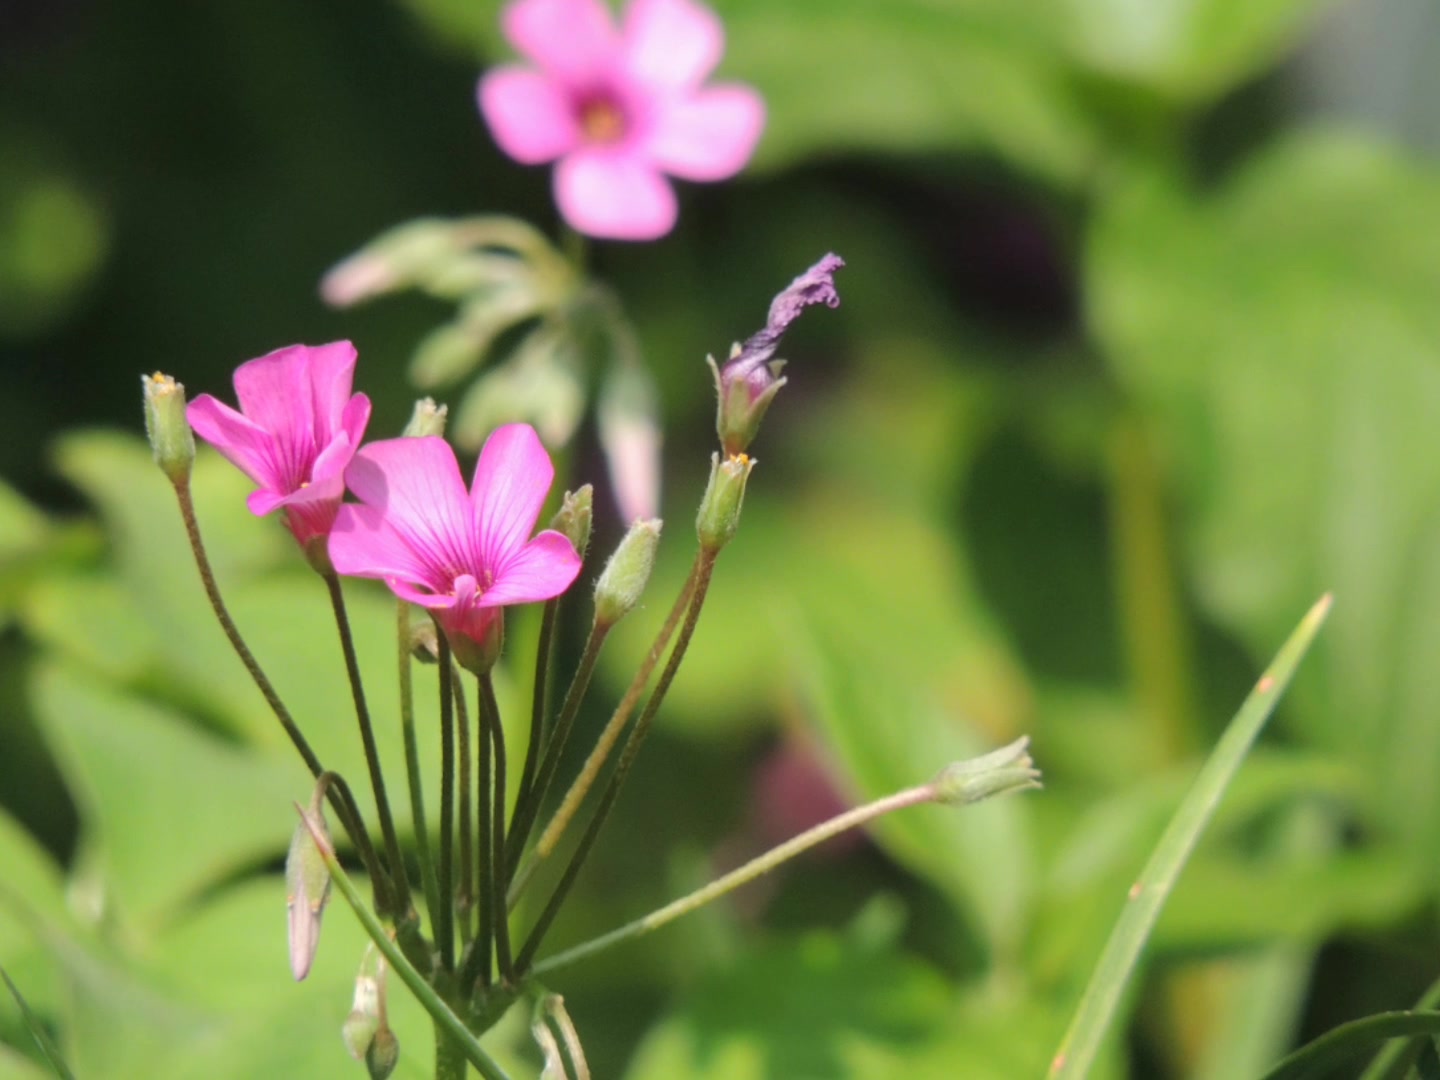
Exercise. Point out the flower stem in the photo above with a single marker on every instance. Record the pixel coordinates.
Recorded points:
(698, 585)
(399, 882)
(465, 895)
(477, 964)
(528, 808)
(445, 925)
(539, 706)
(412, 765)
(494, 884)
(743, 875)
(339, 796)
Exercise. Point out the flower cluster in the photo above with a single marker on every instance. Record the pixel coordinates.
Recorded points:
(462, 554)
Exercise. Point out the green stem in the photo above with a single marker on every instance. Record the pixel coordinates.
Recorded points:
(588, 773)
(465, 897)
(495, 880)
(430, 1000)
(398, 879)
(539, 704)
(528, 807)
(412, 765)
(704, 566)
(339, 796)
(450, 1063)
(477, 964)
(762, 864)
(445, 925)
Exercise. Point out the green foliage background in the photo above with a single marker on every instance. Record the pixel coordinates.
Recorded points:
(1131, 366)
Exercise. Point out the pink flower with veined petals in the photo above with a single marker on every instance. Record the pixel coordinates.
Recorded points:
(620, 108)
(297, 428)
(464, 555)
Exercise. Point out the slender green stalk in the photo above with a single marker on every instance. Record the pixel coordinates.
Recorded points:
(704, 566)
(1342, 1045)
(48, 1049)
(465, 896)
(445, 925)
(412, 765)
(339, 796)
(398, 879)
(539, 704)
(762, 864)
(528, 806)
(494, 884)
(1147, 896)
(560, 821)
(1395, 1059)
(430, 1000)
(477, 964)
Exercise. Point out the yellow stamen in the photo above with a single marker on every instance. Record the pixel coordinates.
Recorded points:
(602, 122)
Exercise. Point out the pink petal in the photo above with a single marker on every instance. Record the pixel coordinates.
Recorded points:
(242, 443)
(543, 568)
(614, 195)
(416, 483)
(708, 135)
(353, 421)
(573, 40)
(275, 391)
(531, 116)
(512, 478)
(673, 43)
(332, 372)
(363, 544)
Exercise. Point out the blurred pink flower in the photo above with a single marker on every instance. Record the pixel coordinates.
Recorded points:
(297, 428)
(620, 108)
(462, 555)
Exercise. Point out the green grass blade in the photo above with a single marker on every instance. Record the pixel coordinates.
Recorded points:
(1341, 1045)
(1147, 896)
(37, 1030)
(1396, 1058)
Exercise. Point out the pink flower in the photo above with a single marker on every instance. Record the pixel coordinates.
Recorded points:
(620, 108)
(297, 428)
(464, 555)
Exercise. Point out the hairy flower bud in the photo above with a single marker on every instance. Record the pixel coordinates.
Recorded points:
(624, 578)
(573, 518)
(719, 515)
(427, 419)
(1007, 769)
(167, 427)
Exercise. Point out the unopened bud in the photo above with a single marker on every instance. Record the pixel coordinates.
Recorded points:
(367, 1009)
(1007, 769)
(425, 642)
(383, 1054)
(166, 427)
(427, 419)
(719, 515)
(624, 578)
(572, 520)
(307, 883)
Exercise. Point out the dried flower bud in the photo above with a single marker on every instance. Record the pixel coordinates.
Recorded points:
(572, 520)
(624, 578)
(307, 884)
(750, 379)
(427, 419)
(719, 515)
(166, 426)
(1007, 769)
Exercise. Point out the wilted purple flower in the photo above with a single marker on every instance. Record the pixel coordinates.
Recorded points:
(750, 379)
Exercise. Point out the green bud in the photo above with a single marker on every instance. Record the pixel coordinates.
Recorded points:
(358, 1032)
(383, 1053)
(166, 426)
(623, 580)
(1007, 769)
(307, 883)
(719, 515)
(427, 419)
(367, 1009)
(572, 520)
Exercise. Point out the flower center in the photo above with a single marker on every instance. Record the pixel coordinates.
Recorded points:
(602, 121)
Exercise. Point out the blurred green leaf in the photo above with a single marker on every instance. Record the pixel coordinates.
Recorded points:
(1192, 50)
(52, 1054)
(167, 809)
(1340, 1046)
(1283, 338)
(815, 1007)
